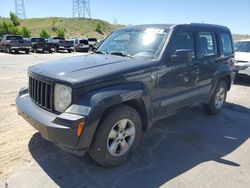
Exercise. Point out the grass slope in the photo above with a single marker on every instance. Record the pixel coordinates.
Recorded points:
(73, 27)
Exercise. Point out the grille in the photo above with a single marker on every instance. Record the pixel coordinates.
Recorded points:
(41, 93)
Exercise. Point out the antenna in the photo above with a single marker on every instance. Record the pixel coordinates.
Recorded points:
(20, 9)
(81, 8)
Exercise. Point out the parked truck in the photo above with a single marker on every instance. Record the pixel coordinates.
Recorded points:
(40, 45)
(14, 43)
(59, 43)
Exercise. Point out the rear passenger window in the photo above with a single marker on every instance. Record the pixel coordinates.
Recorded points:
(184, 40)
(207, 44)
(227, 48)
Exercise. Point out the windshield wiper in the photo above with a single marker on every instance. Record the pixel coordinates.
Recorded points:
(121, 54)
(100, 52)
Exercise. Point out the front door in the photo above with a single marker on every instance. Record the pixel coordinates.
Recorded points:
(177, 80)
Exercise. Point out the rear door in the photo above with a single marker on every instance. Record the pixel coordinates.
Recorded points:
(208, 58)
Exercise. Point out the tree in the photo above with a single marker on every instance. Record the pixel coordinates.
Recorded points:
(44, 34)
(25, 32)
(14, 19)
(60, 33)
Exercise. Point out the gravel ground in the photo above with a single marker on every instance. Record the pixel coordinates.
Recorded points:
(190, 149)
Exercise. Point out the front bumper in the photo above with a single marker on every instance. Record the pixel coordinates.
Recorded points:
(243, 68)
(60, 129)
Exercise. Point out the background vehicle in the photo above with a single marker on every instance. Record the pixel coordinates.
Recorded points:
(14, 43)
(242, 57)
(61, 44)
(137, 76)
(82, 45)
(92, 43)
(40, 45)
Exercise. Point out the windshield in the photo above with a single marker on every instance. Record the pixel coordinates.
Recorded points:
(38, 40)
(243, 46)
(146, 43)
(14, 38)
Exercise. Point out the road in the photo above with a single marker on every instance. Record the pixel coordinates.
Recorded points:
(189, 149)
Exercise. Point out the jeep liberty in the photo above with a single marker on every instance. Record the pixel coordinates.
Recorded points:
(101, 103)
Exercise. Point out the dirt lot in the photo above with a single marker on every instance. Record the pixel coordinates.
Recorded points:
(190, 149)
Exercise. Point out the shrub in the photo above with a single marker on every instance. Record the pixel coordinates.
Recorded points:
(60, 33)
(98, 28)
(44, 34)
(25, 32)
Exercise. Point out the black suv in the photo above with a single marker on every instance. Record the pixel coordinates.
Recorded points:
(101, 102)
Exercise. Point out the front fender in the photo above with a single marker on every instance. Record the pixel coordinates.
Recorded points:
(100, 100)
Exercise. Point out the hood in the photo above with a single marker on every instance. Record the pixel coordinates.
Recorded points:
(242, 56)
(88, 69)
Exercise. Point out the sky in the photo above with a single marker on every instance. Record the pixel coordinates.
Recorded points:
(234, 14)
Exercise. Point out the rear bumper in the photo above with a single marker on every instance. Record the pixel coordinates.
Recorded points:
(60, 129)
(65, 48)
(20, 48)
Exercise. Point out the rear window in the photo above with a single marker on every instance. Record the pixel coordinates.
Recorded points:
(59, 38)
(38, 40)
(207, 44)
(227, 48)
(14, 38)
(84, 42)
(92, 39)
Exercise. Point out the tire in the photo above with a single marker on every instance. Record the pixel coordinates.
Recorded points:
(50, 51)
(56, 49)
(100, 149)
(27, 51)
(8, 50)
(69, 51)
(217, 100)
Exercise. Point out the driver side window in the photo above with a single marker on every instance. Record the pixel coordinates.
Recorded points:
(183, 41)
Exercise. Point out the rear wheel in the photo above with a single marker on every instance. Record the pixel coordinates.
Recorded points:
(8, 50)
(117, 136)
(69, 51)
(27, 51)
(56, 49)
(217, 100)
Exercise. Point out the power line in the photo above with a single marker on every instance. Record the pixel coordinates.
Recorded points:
(81, 9)
(20, 9)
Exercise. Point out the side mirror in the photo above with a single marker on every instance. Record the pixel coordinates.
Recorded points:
(182, 56)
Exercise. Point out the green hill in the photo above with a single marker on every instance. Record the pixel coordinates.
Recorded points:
(73, 27)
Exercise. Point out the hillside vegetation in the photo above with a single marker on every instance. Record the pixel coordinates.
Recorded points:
(73, 27)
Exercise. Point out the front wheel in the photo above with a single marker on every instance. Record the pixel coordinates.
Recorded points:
(116, 137)
(217, 100)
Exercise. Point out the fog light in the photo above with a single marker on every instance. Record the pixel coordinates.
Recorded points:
(79, 129)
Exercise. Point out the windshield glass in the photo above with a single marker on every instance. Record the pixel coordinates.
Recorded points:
(146, 43)
(38, 40)
(243, 46)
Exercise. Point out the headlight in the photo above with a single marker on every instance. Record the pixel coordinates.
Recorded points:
(62, 97)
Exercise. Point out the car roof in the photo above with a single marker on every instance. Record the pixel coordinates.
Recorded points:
(171, 26)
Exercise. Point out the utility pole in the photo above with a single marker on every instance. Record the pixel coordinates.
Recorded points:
(20, 9)
(81, 9)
